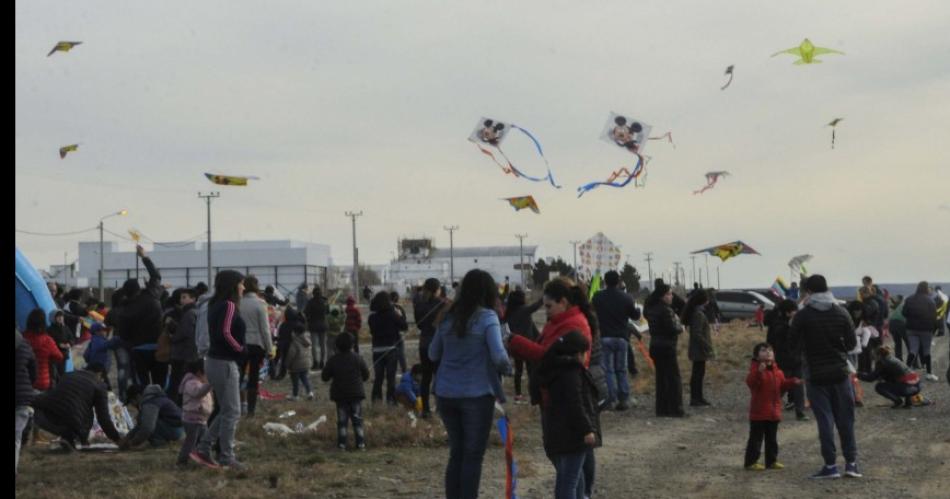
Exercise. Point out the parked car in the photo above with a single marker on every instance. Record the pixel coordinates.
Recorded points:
(741, 304)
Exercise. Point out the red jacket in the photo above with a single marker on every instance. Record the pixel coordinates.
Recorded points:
(354, 320)
(45, 351)
(767, 387)
(559, 325)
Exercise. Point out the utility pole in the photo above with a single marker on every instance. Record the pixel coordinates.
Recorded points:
(521, 244)
(701, 284)
(650, 266)
(693, 259)
(575, 243)
(718, 284)
(451, 229)
(708, 275)
(356, 260)
(207, 197)
(676, 279)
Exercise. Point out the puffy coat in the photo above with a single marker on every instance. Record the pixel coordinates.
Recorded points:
(299, 358)
(892, 370)
(73, 401)
(822, 333)
(533, 351)
(257, 325)
(316, 312)
(154, 406)
(140, 318)
(665, 327)
(921, 313)
(700, 338)
(184, 345)
(197, 402)
(568, 405)
(45, 352)
(767, 387)
(24, 371)
(348, 372)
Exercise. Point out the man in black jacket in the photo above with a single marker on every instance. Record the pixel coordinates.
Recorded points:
(184, 349)
(823, 333)
(920, 311)
(316, 312)
(66, 411)
(24, 376)
(615, 309)
(140, 323)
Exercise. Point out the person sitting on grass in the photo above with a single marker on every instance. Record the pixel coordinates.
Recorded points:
(348, 372)
(408, 389)
(66, 411)
(766, 382)
(158, 420)
(899, 383)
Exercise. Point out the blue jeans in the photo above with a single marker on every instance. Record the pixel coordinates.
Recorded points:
(347, 411)
(298, 378)
(833, 407)
(468, 422)
(615, 365)
(569, 482)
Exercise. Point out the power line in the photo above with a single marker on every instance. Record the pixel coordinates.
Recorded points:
(56, 233)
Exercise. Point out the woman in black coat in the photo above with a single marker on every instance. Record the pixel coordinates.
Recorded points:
(665, 327)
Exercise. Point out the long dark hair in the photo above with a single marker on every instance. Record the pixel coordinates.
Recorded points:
(478, 290)
(381, 302)
(36, 321)
(698, 298)
(576, 295)
(251, 285)
(429, 288)
(225, 286)
(516, 300)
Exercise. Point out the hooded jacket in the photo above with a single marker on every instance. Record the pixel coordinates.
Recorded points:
(299, 358)
(920, 311)
(316, 312)
(348, 372)
(140, 317)
(767, 387)
(24, 371)
(568, 405)
(197, 402)
(892, 370)
(822, 334)
(73, 401)
(45, 352)
(154, 405)
(354, 320)
(665, 326)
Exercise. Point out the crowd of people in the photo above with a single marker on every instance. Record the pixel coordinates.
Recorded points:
(190, 363)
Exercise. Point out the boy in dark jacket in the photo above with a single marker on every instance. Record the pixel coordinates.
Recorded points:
(766, 382)
(159, 419)
(570, 423)
(348, 372)
(99, 350)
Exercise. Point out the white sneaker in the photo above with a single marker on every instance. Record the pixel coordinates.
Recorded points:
(310, 396)
(931, 377)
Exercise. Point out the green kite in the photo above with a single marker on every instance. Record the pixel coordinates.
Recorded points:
(807, 51)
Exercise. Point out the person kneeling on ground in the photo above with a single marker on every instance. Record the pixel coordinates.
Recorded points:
(348, 371)
(897, 380)
(158, 420)
(766, 382)
(66, 411)
(570, 423)
(406, 392)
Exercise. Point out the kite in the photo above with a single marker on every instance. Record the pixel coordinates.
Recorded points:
(807, 52)
(67, 149)
(521, 202)
(598, 255)
(728, 250)
(491, 133)
(631, 135)
(508, 439)
(595, 286)
(645, 353)
(63, 47)
(797, 264)
(833, 124)
(638, 176)
(136, 235)
(229, 179)
(711, 179)
(729, 73)
(779, 288)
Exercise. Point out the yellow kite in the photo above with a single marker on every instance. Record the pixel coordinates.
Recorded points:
(807, 51)
(521, 202)
(67, 149)
(63, 47)
(229, 179)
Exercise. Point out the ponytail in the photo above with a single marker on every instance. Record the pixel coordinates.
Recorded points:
(575, 294)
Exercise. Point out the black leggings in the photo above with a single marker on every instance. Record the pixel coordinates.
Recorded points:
(669, 385)
(253, 361)
(428, 370)
(519, 371)
(696, 382)
(759, 430)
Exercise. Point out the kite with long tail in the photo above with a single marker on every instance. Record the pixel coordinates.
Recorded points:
(728, 73)
(833, 124)
(508, 439)
(490, 134)
(711, 179)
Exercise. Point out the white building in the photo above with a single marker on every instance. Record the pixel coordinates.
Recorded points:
(283, 264)
(411, 269)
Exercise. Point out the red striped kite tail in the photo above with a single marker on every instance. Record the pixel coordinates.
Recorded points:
(668, 136)
(492, 156)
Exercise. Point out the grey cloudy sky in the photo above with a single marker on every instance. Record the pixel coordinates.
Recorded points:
(367, 105)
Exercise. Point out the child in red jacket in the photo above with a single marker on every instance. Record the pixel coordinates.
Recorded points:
(767, 383)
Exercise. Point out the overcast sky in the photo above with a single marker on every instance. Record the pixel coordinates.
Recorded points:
(367, 106)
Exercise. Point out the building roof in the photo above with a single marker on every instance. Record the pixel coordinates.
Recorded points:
(485, 252)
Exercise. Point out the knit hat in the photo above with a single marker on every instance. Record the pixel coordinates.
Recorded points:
(571, 343)
(816, 284)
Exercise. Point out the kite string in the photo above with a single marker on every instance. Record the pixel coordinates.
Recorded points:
(56, 233)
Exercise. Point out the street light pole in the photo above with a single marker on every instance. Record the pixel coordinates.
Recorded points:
(102, 258)
(521, 251)
(451, 230)
(356, 257)
(650, 266)
(208, 197)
